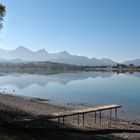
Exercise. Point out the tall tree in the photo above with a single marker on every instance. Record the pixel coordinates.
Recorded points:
(2, 13)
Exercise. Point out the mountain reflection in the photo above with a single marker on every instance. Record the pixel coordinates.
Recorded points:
(42, 78)
(135, 74)
(24, 80)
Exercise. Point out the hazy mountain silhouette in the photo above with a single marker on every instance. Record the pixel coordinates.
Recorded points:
(23, 54)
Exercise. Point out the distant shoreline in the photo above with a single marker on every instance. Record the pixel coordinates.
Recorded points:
(48, 71)
(52, 67)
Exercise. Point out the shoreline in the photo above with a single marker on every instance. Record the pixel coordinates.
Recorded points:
(35, 107)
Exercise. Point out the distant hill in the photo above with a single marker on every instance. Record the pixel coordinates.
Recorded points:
(135, 62)
(23, 54)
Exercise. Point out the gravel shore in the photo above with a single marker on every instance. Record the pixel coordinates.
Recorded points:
(29, 105)
(37, 107)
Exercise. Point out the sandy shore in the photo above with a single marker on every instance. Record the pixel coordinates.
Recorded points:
(37, 107)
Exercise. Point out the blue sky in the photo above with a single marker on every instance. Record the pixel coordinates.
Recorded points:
(93, 28)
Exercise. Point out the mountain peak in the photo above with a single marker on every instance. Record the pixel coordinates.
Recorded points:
(42, 51)
(64, 53)
(22, 48)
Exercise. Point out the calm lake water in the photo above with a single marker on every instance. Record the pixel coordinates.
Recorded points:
(81, 89)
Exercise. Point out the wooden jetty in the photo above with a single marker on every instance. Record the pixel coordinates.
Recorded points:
(62, 115)
(85, 111)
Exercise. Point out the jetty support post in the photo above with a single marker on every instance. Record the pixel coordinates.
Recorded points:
(100, 117)
(110, 114)
(110, 117)
(115, 115)
(78, 119)
(83, 119)
(63, 120)
(95, 117)
(58, 121)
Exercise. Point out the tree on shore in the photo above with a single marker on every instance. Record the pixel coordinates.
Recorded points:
(2, 14)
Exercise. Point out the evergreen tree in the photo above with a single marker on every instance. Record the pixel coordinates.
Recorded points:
(2, 13)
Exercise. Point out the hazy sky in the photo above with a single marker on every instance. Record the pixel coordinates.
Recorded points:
(94, 28)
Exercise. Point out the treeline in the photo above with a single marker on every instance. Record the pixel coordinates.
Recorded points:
(36, 65)
(60, 66)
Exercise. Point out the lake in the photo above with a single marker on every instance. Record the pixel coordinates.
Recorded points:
(80, 89)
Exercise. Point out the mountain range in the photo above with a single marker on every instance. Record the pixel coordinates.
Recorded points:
(23, 54)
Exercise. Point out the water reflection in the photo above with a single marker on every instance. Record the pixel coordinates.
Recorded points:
(24, 80)
(80, 88)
